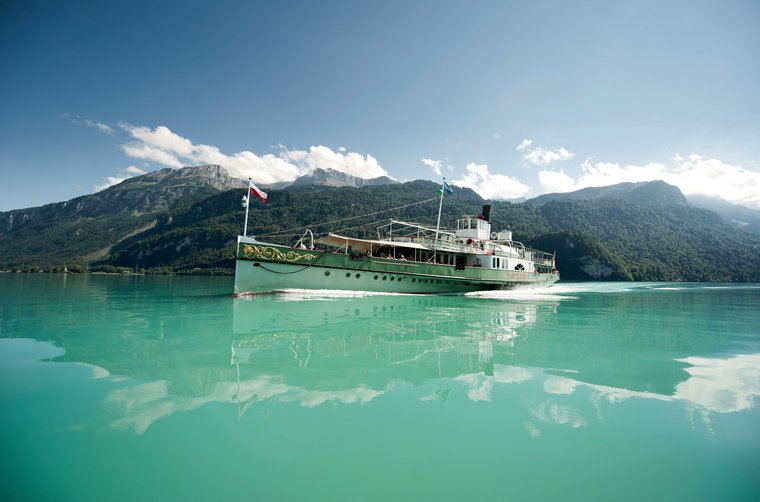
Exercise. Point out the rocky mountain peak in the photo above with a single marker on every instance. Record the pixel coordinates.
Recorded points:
(646, 192)
(333, 178)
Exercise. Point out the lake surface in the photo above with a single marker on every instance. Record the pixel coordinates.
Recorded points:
(150, 388)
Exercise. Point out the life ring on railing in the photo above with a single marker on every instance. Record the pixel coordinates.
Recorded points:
(469, 241)
(493, 236)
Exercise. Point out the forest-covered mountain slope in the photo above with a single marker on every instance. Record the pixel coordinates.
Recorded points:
(599, 238)
(83, 229)
(641, 231)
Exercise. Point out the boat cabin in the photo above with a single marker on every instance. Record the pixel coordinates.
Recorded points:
(475, 228)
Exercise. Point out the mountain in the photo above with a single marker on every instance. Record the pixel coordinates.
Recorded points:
(598, 238)
(202, 238)
(641, 231)
(141, 194)
(83, 229)
(739, 216)
(584, 258)
(332, 178)
(649, 192)
(657, 243)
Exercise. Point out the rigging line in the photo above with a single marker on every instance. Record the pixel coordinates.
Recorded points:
(339, 230)
(357, 226)
(346, 219)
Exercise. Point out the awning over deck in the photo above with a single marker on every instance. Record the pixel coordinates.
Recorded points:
(362, 245)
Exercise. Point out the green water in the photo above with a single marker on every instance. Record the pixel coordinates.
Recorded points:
(139, 388)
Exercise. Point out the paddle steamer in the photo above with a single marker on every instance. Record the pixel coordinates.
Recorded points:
(405, 258)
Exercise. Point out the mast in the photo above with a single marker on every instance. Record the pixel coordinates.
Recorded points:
(246, 203)
(438, 223)
(440, 206)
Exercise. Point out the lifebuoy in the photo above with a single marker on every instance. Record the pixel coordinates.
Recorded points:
(493, 235)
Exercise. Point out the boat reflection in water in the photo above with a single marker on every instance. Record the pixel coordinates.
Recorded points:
(569, 356)
(359, 348)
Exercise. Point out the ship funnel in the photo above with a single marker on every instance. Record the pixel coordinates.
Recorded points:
(487, 212)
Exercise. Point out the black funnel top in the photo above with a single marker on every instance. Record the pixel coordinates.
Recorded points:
(487, 212)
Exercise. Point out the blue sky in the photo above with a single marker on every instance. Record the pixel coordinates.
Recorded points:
(513, 99)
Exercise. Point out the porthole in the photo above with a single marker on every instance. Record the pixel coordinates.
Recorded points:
(376, 277)
(392, 278)
(348, 274)
(385, 277)
(399, 279)
(358, 275)
(414, 280)
(327, 273)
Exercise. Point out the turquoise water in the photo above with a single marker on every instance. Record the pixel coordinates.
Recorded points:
(141, 388)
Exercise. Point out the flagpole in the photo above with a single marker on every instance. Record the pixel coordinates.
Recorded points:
(440, 206)
(438, 223)
(247, 203)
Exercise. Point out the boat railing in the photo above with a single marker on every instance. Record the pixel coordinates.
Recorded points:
(301, 244)
(451, 244)
(396, 229)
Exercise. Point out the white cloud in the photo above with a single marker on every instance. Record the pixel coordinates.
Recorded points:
(100, 126)
(524, 144)
(560, 385)
(115, 180)
(556, 182)
(435, 165)
(162, 146)
(262, 169)
(480, 385)
(140, 406)
(722, 385)
(151, 154)
(322, 157)
(716, 385)
(554, 413)
(716, 178)
(160, 137)
(543, 157)
(134, 170)
(111, 181)
(692, 174)
(491, 186)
